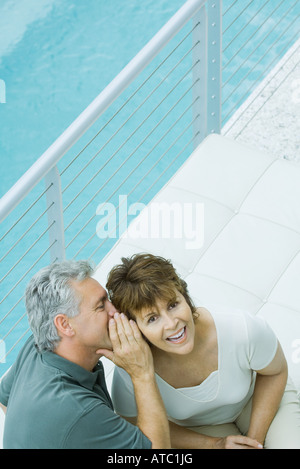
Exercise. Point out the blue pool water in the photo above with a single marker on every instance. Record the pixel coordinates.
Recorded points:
(57, 55)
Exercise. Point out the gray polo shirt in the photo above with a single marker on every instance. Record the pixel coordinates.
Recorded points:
(54, 403)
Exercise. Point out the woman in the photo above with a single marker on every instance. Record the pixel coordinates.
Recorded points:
(221, 375)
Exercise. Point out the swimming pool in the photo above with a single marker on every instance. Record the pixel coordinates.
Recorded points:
(56, 56)
(59, 55)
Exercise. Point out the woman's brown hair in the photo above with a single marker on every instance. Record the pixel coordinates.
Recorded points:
(139, 281)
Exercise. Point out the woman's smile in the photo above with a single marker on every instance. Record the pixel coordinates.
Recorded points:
(178, 337)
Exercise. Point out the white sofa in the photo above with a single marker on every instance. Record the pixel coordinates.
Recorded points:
(250, 258)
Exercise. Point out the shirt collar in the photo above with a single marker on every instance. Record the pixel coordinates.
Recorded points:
(84, 377)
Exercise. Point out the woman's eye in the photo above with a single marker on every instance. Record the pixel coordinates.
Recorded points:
(151, 319)
(172, 305)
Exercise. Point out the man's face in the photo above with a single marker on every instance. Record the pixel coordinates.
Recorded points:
(91, 324)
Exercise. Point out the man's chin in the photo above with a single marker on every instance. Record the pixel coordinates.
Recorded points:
(99, 352)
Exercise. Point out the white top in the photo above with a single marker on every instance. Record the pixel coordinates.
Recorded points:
(245, 343)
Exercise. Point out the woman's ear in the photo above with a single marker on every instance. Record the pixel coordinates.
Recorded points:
(63, 326)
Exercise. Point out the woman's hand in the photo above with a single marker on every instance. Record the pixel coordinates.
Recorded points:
(130, 350)
(133, 354)
(237, 442)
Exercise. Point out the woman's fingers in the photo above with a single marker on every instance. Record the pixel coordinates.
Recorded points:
(125, 338)
(130, 351)
(127, 328)
(115, 341)
(113, 333)
(124, 330)
(136, 332)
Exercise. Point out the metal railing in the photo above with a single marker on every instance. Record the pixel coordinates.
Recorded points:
(122, 149)
(126, 142)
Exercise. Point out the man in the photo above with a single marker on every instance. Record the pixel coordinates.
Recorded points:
(55, 392)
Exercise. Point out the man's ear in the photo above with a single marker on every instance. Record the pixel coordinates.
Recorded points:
(63, 326)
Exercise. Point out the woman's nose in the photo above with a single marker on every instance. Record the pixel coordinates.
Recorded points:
(171, 322)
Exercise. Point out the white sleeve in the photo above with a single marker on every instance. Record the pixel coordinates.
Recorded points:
(122, 394)
(262, 342)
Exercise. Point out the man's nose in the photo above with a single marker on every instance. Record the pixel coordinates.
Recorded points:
(111, 310)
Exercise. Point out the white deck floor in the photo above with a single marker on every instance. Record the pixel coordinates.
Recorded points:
(269, 120)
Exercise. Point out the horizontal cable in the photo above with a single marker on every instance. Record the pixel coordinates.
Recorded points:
(25, 213)
(121, 127)
(257, 47)
(147, 136)
(127, 159)
(229, 8)
(27, 231)
(16, 343)
(247, 24)
(266, 52)
(130, 97)
(262, 73)
(168, 167)
(139, 126)
(173, 161)
(26, 252)
(11, 309)
(171, 146)
(237, 17)
(14, 326)
(127, 120)
(24, 275)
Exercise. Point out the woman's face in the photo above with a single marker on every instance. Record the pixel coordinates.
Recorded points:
(169, 326)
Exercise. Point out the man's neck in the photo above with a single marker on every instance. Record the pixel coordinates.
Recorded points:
(87, 360)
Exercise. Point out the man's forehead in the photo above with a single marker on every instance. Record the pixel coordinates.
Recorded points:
(89, 288)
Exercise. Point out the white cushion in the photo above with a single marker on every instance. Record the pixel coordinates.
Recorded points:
(250, 257)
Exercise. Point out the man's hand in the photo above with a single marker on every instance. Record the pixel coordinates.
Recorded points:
(130, 350)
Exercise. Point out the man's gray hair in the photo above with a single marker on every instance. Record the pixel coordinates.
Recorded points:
(50, 293)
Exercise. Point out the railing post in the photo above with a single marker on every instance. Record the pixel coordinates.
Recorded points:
(200, 76)
(214, 65)
(207, 70)
(55, 215)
